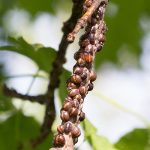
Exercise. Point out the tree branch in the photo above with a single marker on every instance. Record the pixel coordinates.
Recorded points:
(13, 93)
(83, 20)
(56, 71)
(78, 84)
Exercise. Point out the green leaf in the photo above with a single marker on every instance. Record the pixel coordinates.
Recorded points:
(36, 6)
(33, 6)
(42, 56)
(62, 86)
(18, 130)
(5, 102)
(138, 139)
(96, 141)
(124, 31)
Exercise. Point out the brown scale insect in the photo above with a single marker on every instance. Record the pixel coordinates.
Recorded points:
(87, 57)
(73, 92)
(76, 79)
(78, 70)
(81, 62)
(74, 112)
(77, 55)
(93, 76)
(75, 140)
(82, 116)
(71, 86)
(82, 90)
(75, 132)
(75, 103)
(90, 87)
(84, 75)
(67, 127)
(59, 140)
(67, 106)
(64, 116)
(60, 129)
(84, 43)
(89, 49)
(78, 97)
(68, 99)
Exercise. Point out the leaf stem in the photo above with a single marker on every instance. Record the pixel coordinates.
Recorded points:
(32, 82)
(25, 75)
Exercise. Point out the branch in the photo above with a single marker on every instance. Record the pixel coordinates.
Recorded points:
(13, 93)
(81, 80)
(83, 20)
(56, 71)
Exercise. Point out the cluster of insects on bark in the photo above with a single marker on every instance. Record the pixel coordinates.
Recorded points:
(81, 80)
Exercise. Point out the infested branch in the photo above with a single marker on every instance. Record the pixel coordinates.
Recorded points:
(81, 80)
(56, 71)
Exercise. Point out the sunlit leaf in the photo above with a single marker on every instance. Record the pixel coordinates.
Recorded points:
(124, 31)
(97, 142)
(137, 139)
(42, 56)
(18, 130)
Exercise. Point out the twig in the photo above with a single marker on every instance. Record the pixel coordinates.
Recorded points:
(13, 93)
(83, 20)
(55, 73)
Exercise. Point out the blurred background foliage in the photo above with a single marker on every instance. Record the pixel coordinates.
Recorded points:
(127, 22)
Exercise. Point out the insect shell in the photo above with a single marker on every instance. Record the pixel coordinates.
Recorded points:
(75, 103)
(75, 140)
(82, 116)
(64, 115)
(102, 38)
(59, 140)
(78, 97)
(76, 79)
(67, 127)
(67, 105)
(77, 55)
(78, 70)
(73, 92)
(81, 62)
(87, 57)
(60, 129)
(71, 86)
(93, 76)
(74, 112)
(90, 87)
(84, 75)
(75, 132)
(82, 90)
(85, 43)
